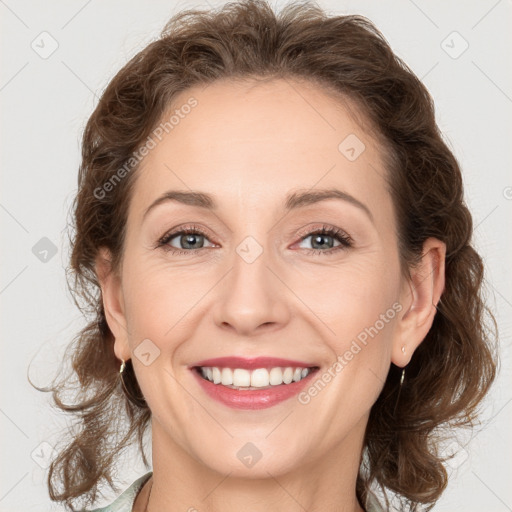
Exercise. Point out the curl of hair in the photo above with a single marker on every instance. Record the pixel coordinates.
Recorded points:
(452, 369)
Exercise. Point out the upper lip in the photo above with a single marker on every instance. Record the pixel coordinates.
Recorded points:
(251, 363)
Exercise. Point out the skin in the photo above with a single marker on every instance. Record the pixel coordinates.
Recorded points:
(249, 146)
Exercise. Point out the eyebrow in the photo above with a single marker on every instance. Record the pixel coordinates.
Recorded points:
(293, 201)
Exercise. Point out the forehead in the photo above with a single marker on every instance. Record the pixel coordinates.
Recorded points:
(250, 143)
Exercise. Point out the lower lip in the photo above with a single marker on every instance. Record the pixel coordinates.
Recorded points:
(255, 399)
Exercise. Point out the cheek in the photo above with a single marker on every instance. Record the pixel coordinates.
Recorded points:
(154, 298)
(355, 311)
(361, 316)
(349, 299)
(162, 302)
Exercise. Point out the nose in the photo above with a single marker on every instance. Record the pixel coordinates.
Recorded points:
(253, 297)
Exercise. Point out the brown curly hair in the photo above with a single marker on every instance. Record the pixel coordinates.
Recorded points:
(452, 369)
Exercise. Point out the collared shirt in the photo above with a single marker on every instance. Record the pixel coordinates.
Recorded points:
(124, 502)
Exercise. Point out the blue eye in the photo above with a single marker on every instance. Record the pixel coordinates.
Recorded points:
(192, 239)
(189, 237)
(326, 233)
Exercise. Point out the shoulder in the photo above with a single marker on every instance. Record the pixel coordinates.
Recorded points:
(124, 502)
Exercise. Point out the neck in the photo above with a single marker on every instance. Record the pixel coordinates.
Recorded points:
(183, 482)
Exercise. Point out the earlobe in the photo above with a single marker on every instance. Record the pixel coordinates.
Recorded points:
(113, 303)
(421, 294)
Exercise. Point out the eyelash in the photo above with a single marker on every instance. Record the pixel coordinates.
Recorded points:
(341, 236)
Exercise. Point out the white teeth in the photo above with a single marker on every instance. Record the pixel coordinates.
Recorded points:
(216, 375)
(276, 376)
(288, 375)
(259, 378)
(241, 377)
(227, 376)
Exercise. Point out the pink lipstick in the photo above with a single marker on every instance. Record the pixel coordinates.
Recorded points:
(260, 395)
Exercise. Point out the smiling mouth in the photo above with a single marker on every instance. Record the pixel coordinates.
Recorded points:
(257, 379)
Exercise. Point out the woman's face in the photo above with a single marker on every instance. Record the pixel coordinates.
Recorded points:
(256, 281)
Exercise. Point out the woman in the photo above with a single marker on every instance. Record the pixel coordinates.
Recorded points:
(273, 243)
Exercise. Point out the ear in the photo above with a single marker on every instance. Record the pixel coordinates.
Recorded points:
(419, 297)
(113, 302)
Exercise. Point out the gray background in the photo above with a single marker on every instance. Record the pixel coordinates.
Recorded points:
(45, 102)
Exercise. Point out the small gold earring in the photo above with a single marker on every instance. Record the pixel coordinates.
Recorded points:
(137, 400)
(399, 389)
